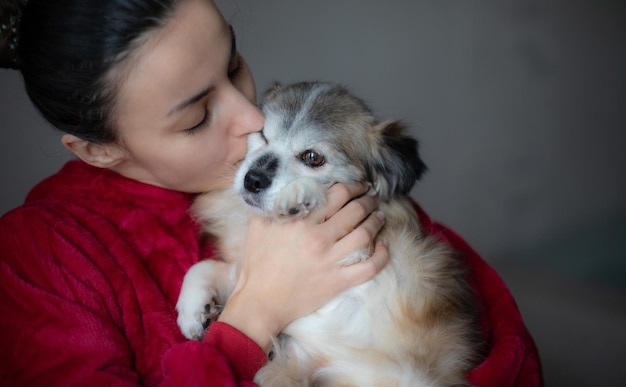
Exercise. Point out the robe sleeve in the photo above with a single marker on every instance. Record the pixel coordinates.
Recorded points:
(228, 357)
(62, 323)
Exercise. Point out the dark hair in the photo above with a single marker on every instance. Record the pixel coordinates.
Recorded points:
(10, 17)
(68, 50)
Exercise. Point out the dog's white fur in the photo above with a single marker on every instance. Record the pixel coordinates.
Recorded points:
(412, 324)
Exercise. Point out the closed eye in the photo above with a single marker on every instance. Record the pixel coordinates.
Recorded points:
(235, 63)
(199, 125)
(235, 67)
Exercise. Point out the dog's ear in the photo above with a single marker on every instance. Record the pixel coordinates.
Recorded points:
(397, 165)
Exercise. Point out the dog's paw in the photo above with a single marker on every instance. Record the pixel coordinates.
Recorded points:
(206, 287)
(355, 257)
(299, 198)
(195, 314)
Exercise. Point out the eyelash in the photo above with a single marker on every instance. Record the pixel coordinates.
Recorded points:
(200, 125)
(237, 70)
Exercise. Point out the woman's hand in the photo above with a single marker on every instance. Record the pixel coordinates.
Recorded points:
(291, 269)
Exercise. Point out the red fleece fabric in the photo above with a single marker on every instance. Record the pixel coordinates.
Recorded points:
(90, 270)
(512, 359)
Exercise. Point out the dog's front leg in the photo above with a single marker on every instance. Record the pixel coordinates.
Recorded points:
(206, 287)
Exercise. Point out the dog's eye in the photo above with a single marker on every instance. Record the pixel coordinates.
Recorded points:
(312, 158)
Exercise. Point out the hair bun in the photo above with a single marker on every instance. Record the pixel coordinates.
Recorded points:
(10, 19)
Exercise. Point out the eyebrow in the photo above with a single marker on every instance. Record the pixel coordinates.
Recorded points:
(208, 90)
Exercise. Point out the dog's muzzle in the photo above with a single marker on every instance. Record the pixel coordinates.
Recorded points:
(261, 173)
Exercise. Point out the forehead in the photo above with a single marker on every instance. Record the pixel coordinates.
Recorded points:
(187, 54)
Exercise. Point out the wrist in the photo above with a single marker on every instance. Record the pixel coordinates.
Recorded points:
(257, 324)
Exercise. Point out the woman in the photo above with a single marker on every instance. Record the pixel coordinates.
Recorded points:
(156, 102)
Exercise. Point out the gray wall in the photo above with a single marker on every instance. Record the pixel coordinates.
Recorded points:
(520, 109)
(519, 105)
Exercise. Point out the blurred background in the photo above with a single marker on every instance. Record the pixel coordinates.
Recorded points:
(520, 108)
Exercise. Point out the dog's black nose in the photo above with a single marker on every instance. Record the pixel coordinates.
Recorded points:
(256, 181)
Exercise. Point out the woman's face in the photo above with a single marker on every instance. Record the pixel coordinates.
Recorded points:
(186, 104)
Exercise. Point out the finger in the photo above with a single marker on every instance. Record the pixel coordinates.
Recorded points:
(351, 216)
(337, 197)
(362, 237)
(361, 272)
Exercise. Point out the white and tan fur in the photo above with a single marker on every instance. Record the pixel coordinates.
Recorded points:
(411, 325)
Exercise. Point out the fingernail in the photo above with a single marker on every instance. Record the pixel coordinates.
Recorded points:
(380, 215)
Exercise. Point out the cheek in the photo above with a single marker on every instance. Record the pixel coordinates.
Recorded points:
(207, 154)
(187, 158)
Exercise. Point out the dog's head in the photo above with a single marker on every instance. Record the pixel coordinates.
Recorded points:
(320, 130)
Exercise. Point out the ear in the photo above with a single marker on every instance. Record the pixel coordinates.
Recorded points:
(99, 155)
(397, 165)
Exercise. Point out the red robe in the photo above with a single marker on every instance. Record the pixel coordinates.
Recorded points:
(90, 270)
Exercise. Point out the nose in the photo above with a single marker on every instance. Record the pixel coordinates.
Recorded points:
(247, 116)
(256, 181)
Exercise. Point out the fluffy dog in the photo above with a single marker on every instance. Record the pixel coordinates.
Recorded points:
(411, 325)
